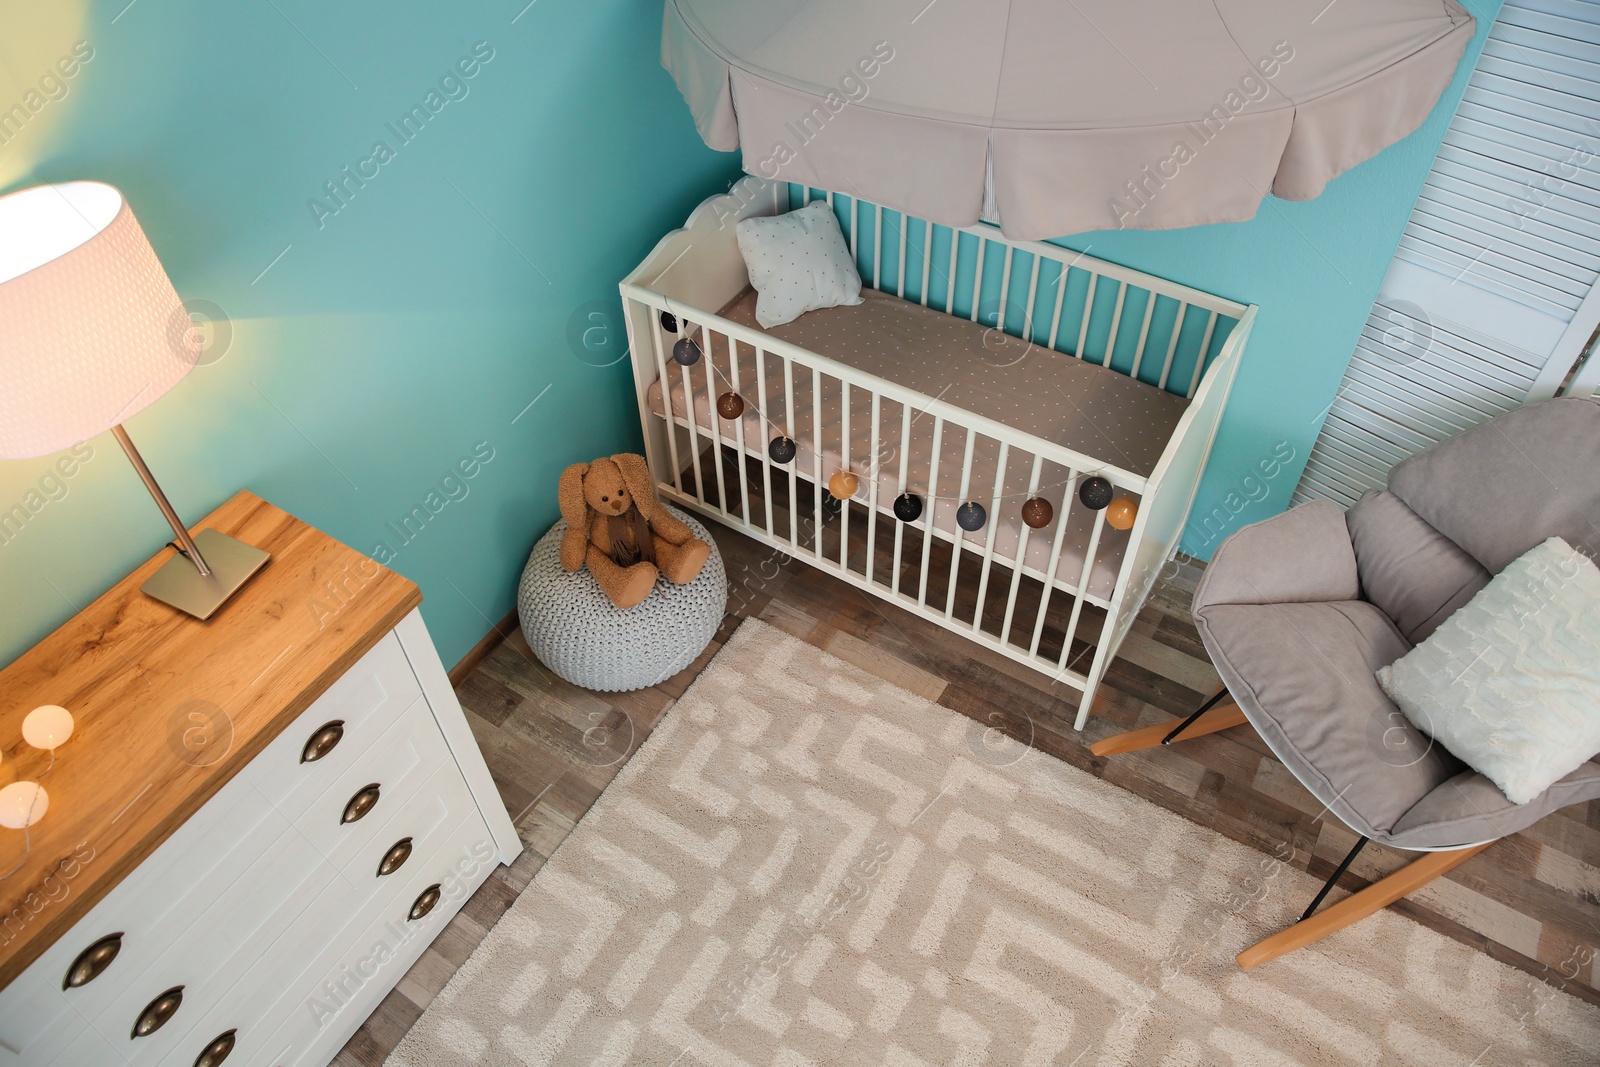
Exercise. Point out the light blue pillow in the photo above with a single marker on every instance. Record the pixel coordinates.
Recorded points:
(797, 263)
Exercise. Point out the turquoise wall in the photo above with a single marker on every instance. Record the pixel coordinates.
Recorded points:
(408, 329)
(411, 328)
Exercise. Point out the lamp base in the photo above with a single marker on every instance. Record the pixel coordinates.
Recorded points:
(232, 564)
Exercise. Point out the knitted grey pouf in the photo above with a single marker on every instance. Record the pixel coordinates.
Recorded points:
(577, 632)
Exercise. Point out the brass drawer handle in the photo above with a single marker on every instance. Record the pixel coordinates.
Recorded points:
(157, 1012)
(321, 743)
(217, 1051)
(92, 961)
(361, 803)
(425, 902)
(396, 857)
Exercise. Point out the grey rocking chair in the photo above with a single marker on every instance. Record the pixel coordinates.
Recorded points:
(1299, 611)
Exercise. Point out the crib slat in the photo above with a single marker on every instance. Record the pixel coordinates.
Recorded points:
(1116, 321)
(872, 486)
(1144, 333)
(977, 278)
(927, 257)
(766, 428)
(1062, 663)
(855, 224)
(693, 421)
(666, 395)
(928, 506)
(993, 527)
(961, 535)
(716, 417)
(1022, 553)
(1088, 313)
(877, 247)
(900, 481)
(1200, 359)
(900, 276)
(1056, 542)
(844, 465)
(766, 460)
(1061, 306)
(1172, 345)
(818, 442)
(1033, 292)
(1005, 291)
(760, 405)
(950, 282)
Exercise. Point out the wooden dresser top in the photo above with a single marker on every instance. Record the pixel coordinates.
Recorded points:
(132, 670)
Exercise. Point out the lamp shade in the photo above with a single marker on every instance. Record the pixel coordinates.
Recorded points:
(93, 329)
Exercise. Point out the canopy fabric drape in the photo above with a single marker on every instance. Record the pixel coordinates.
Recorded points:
(1059, 116)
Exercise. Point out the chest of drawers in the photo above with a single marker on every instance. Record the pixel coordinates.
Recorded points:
(243, 852)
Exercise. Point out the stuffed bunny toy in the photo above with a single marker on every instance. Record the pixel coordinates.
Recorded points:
(620, 530)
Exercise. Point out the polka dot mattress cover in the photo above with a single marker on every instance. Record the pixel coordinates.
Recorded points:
(1091, 409)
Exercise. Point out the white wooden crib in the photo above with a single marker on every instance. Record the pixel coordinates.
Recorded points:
(949, 385)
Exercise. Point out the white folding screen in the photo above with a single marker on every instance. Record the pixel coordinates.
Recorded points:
(1493, 292)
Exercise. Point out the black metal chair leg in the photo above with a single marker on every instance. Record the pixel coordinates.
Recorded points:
(1186, 723)
(1338, 872)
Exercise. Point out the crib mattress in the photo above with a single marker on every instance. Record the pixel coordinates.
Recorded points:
(1090, 409)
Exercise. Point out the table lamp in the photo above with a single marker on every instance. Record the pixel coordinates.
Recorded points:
(92, 332)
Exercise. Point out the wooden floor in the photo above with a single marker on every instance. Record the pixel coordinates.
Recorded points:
(1532, 900)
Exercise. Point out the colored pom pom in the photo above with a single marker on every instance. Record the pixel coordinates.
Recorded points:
(1037, 512)
(907, 507)
(971, 516)
(1122, 512)
(843, 485)
(686, 351)
(1095, 492)
(669, 322)
(781, 449)
(730, 406)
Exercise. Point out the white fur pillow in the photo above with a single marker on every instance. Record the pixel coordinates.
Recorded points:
(798, 262)
(1510, 683)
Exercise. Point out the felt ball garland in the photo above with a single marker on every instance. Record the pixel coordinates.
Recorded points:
(1122, 512)
(669, 322)
(686, 352)
(1037, 512)
(1095, 492)
(971, 516)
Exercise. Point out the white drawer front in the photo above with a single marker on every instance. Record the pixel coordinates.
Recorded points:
(150, 909)
(238, 928)
(351, 976)
(397, 764)
(364, 702)
(86, 1047)
(434, 820)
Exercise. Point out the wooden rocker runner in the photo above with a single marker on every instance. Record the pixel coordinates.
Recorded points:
(1299, 611)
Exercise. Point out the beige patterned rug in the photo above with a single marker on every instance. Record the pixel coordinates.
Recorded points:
(805, 864)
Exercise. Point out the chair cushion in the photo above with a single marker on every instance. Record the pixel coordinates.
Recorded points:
(1469, 808)
(1303, 675)
(1505, 485)
(1511, 683)
(1416, 574)
(1302, 555)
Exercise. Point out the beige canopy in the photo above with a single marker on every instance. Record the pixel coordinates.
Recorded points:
(1059, 116)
